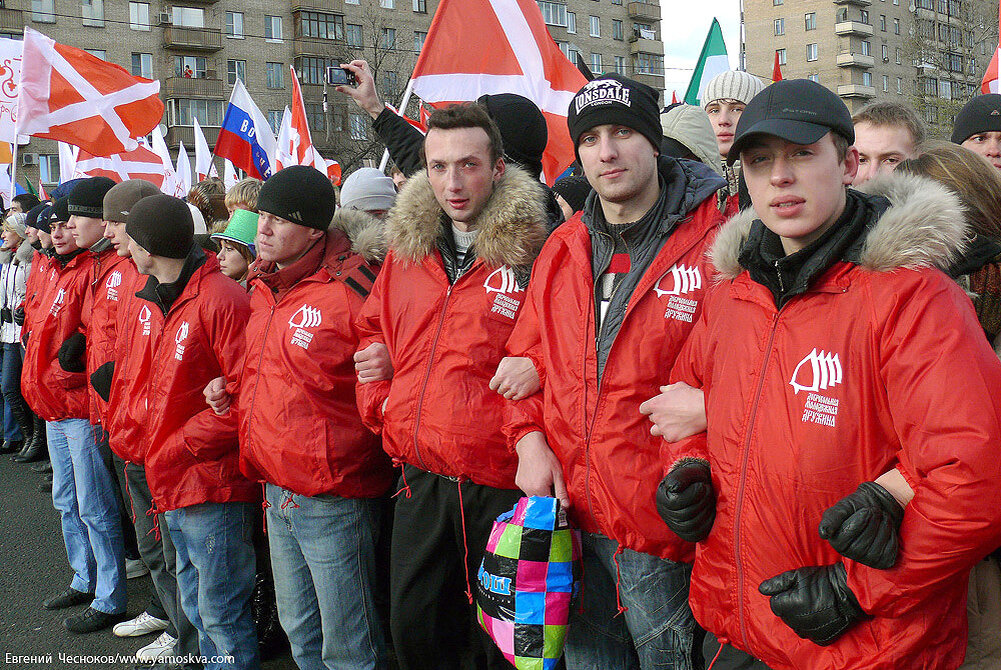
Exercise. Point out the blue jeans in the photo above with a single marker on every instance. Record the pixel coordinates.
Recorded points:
(87, 499)
(323, 559)
(10, 386)
(657, 629)
(215, 578)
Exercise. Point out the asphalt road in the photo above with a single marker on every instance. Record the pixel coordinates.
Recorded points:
(33, 567)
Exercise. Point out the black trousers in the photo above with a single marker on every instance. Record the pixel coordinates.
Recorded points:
(730, 658)
(433, 625)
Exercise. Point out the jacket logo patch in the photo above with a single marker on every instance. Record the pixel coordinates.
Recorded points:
(182, 334)
(502, 281)
(305, 317)
(57, 304)
(683, 280)
(144, 316)
(823, 372)
(114, 281)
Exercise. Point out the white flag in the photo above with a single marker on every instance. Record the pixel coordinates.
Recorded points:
(170, 183)
(287, 143)
(67, 161)
(183, 170)
(229, 177)
(203, 157)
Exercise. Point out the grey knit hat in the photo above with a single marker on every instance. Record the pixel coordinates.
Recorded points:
(118, 201)
(368, 189)
(732, 85)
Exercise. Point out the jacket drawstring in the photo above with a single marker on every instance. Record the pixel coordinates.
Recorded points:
(289, 501)
(465, 545)
(618, 581)
(264, 507)
(397, 463)
(132, 504)
(722, 641)
(156, 521)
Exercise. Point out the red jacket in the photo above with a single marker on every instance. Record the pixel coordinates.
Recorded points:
(109, 274)
(191, 454)
(42, 276)
(125, 417)
(876, 366)
(445, 340)
(299, 422)
(51, 392)
(610, 460)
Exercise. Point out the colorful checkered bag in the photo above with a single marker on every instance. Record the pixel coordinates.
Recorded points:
(528, 578)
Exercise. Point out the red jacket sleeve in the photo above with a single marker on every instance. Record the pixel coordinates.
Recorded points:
(526, 415)
(371, 396)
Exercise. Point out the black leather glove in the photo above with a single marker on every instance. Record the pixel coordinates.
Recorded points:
(865, 526)
(71, 353)
(686, 500)
(815, 602)
(101, 380)
(19, 316)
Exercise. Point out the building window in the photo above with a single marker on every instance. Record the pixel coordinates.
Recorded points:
(189, 17)
(945, 90)
(780, 26)
(387, 4)
(389, 38)
(139, 15)
(353, 34)
(644, 63)
(620, 65)
(275, 120)
(236, 69)
(276, 75)
(865, 16)
(882, 22)
(390, 84)
(616, 2)
(273, 28)
(311, 70)
(92, 12)
(421, 6)
(100, 53)
(896, 26)
(866, 48)
(931, 115)
(234, 24)
(596, 63)
(814, 78)
(43, 11)
(142, 65)
(48, 168)
(314, 116)
(572, 22)
(867, 78)
(900, 86)
(811, 20)
(886, 83)
(554, 13)
(189, 67)
(595, 26)
(782, 56)
(351, 2)
(617, 33)
(419, 38)
(811, 52)
(181, 111)
(776, 3)
(322, 26)
(886, 54)
(897, 55)
(358, 127)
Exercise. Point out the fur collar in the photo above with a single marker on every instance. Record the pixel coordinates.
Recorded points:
(365, 231)
(512, 226)
(925, 226)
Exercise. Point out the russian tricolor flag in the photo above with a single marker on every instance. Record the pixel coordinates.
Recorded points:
(246, 138)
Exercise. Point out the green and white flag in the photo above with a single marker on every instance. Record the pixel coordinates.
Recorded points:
(712, 61)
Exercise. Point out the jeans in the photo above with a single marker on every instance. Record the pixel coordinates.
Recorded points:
(10, 385)
(215, 578)
(656, 630)
(87, 500)
(323, 560)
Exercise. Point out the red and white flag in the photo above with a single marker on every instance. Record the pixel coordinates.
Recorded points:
(141, 163)
(302, 141)
(514, 54)
(42, 195)
(285, 147)
(990, 82)
(70, 95)
(419, 125)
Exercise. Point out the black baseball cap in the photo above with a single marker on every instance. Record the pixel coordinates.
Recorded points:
(797, 110)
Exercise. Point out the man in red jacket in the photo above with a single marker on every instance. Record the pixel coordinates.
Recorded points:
(462, 240)
(192, 320)
(828, 354)
(614, 294)
(300, 431)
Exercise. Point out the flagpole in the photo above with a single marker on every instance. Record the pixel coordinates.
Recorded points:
(13, 165)
(403, 110)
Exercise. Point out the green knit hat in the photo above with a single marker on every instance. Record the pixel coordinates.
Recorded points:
(242, 229)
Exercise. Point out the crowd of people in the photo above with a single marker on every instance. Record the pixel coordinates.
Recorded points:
(750, 347)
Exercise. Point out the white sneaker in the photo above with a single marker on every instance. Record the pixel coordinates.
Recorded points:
(157, 649)
(134, 567)
(144, 624)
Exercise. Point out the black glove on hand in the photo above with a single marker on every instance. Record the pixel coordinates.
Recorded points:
(19, 316)
(815, 602)
(101, 380)
(71, 353)
(686, 500)
(864, 526)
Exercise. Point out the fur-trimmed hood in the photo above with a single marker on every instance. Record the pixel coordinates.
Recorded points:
(20, 257)
(925, 226)
(366, 232)
(512, 226)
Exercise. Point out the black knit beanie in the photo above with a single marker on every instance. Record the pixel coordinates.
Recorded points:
(162, 225)
(982, 114)
(38, 217)
(522, 128)
(614, 99)
(573, 189)
(59, 212)
(300, 194)
(87, 197)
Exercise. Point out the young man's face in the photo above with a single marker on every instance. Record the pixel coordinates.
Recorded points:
(86, 230)
(724, 115)
(31, 234)
(115, 232)
(282, 241)
(461, 171)
(15, 207)
(141, 257)
(987, 145)
(619, 162)
(62, 238)
(797, 189)
(45, 239)
(881, 149)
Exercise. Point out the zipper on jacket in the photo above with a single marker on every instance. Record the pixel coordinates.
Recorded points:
(782, 288)
(260, 359)
(427, 375)
(743, 480)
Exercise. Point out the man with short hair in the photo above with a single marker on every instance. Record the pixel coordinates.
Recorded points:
(978, 127)
(614, 294)
(462, 239)
(825, 366)
(886, 134)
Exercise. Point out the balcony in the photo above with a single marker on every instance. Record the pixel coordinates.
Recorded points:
(655, 81)
(335, 6)
(192, 39)
(645, 45)
(857, 3)
(11, 21)
(185, 87)
(855, 60)
(853, 28)
(856, 91)
(312, 46)
(644, 11)
(186, 134)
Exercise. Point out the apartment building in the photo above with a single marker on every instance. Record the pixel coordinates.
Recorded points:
(199, 48)
(930, 53)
